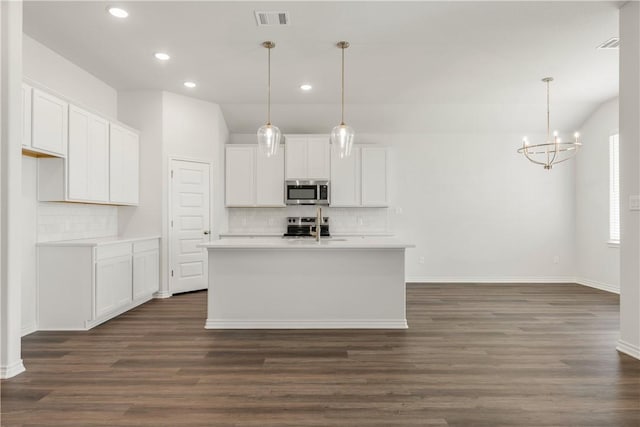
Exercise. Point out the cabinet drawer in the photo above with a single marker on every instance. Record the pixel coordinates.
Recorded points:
(145, 245)
(112, 251)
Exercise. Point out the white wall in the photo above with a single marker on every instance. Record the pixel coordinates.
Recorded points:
(475, 209)
(629, 179)
(194, 129)
(60, 75)
(29, 239)
(59, 221)
(10, 179)
(597, 262)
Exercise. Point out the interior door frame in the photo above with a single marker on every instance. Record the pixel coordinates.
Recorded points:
(170, 209)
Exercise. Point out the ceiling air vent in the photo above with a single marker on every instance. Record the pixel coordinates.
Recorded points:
(612, 43)
(271, 18)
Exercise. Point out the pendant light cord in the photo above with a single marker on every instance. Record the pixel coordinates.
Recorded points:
(269, 87)
(548, 115)
(342, 120)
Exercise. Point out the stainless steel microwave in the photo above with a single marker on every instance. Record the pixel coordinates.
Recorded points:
(297, 192)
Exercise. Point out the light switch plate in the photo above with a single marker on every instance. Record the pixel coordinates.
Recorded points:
(634, 203)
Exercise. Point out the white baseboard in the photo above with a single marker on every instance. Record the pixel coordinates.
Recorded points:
(598, 285)
(307, 324)
(29, 329)
(490, 279)
(162, 294)
(629, 349)
(11, 370)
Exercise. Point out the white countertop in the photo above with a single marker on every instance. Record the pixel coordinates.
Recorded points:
(307, 243)
(96, 241)
(261, 235)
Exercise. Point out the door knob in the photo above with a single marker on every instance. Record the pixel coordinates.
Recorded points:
(206, 232)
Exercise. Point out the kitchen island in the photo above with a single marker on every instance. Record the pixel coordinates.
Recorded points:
(275, 283)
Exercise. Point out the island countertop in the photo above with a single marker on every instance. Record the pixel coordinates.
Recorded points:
(308, 243)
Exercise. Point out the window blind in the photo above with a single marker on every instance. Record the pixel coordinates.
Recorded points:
(614, 188)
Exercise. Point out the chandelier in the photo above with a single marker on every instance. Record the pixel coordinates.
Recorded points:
(554, 150)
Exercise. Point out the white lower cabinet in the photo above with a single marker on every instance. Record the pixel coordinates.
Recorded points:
(113, 284)
(146, 269)
(82, 284)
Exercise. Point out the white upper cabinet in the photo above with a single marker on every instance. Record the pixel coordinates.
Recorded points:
(98, 159)
(49, 122)
(375, 176)
(318, 157)
(240, 175)
(26, 115)
(124, 165)
(360, 179)
(345, 178)
(77, 159)
(88, 158)
(308, 157)
(252, 179)
(270, 179)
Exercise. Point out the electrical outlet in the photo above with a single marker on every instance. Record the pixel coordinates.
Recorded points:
(360, 221)
(421, 260)
(556, 259)
(634, 203)
(398, 211)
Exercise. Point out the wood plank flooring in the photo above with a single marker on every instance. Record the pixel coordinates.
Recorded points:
(475, 355)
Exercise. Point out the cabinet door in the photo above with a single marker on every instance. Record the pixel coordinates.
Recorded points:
(26, 115)
(318, 157)
(49, 123)
(98, 159)
(123, 165)
(131, 167)
(77, 159)
(270, 178)
(296, 154)
(116, 164)
(113, 284)
(345, 178)
(145, 274)
(374, 176)
(240, 176)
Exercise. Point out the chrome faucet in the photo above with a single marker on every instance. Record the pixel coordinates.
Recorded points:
(318, 231)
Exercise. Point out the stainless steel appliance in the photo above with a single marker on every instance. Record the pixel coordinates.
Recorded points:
(298, 192)
(305, 226)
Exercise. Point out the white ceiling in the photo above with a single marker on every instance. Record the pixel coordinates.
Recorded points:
(412, 66)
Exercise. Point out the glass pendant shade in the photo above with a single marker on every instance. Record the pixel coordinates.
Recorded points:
(342, 136)
(268, 139)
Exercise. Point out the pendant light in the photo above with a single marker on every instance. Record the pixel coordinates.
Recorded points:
(553, 150)
(269, 135)
(342, 135)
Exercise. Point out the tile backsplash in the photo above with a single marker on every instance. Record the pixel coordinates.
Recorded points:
(342, 220)
(71, 221)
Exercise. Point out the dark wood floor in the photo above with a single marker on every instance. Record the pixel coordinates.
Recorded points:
(475, 355)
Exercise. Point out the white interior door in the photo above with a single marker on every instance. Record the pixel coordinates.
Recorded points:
(189, 225)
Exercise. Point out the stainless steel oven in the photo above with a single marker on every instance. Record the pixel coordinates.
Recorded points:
(298, 192)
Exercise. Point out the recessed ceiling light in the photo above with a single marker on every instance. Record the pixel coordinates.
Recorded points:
(306, 86)
(190, 85)
(162, 56)
(118, 12)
